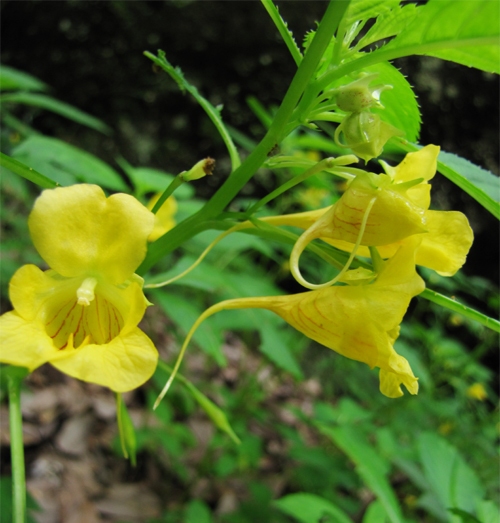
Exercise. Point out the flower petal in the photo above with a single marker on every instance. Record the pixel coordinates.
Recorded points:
(78, 231)
(122, 365)
(164, 218)
(419, 164)
(445, 247)
(24, 343)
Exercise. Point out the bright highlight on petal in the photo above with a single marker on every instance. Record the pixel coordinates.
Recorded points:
(83, 316)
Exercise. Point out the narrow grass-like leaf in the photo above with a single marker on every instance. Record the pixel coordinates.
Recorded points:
(215, 413)
(126, 430)
(463, 31)
(12, 79)
(212, 112)
(51, 104)
(282, 27)
(29, 173)
(369, 466)
(66, 163)
(455, 306)
(309, 508)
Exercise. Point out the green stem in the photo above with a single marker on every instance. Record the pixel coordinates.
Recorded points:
(17, 450)
(174, 184)
(195, 223)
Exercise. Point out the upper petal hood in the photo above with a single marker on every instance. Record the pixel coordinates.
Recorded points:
(78, 231)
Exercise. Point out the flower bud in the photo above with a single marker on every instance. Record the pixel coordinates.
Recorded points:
(358, 96)
(365, 134)
(199, 170)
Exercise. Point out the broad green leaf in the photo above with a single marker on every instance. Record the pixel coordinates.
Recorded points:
(453, 482)
(366, 9)
(184, 313)
(463, 31)
(488, 512)
(212, 112)
(369, 465)
(400, 103)
(388, 24)
(309, 508)
(479, 183)
(13, 79)
(197, 512)
(465, 517)
(147, 179)
(67, 164)
(17, 167)
(51, 104)
(375, 513)
(274, 345)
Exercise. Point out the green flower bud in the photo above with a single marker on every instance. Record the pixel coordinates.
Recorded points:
(358, 96)
(199, 170)
(365, 134)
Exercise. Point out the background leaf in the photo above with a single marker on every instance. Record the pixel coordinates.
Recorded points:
(309, 508)
(464, 31)
(13, 79)
(67, 164)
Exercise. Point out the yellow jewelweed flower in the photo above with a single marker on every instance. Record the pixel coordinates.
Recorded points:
(477, 392)
(359, 320)
(401, 210)
(82, 314)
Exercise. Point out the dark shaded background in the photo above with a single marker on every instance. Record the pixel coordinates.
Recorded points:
(90, 53)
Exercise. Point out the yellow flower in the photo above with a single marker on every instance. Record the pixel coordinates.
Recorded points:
(477, 392)
(359, 321)
(164, 218)
(82, 315)
(401, 210)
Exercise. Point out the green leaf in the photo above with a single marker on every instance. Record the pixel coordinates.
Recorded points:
(216, 414)
(465, 517)
(465, 32)
(453, 482)
(400, 103)
(388, 24)
(13, 79)
(375, 513)
(184, 313)
(197, 512)
(274, 345)
(282, 27)
(369, 466)
(51, 104)
(67, 164)
(488, 512)
(126, 430)
(309, 508)
(29, 173)
(212, 112)
(366, 9)
(479, 183)
(147, 179)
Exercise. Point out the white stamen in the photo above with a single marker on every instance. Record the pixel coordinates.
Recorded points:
(85, 292)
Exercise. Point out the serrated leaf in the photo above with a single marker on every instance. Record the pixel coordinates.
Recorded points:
(51, 104)
(465, 31)
(13, 79)
(309, 508)
(369, 465)
(212, 112)
(366, 9)
(400, 103)
(481, 184)
(388, 24)
(66, 164)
